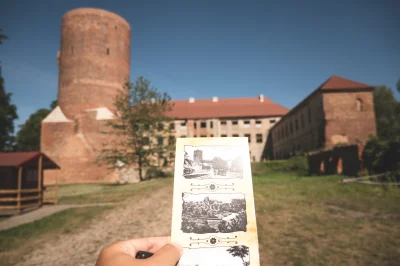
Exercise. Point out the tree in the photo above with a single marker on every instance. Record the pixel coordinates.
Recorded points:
(8, 113)
(386, 111)
(2, 36)
(139, 123)
(241, 252)
(28, 137)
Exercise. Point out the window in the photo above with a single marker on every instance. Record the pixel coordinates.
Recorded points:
(272, 121)
(194, 136)
(211, 135)
(234, 122)
(223, 135)
(359, 105)
(146, 126)
(302, 121)
(246, 123)
(183, 124)
(235, 135)
(108, 50)
(296, 124)
(248, 137)
(259, 138)
(203, 136)
(160, 126)
(211, 124)
(171, 140)
(258, 123)
(195, 124)
(309, 115)
(291, 127)
(146, 141)
(287, 130)
(160, 141)
(223, 123)
(32, 175)
(203, 124)
(172, 126)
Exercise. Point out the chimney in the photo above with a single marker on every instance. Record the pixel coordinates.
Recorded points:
(215, 99)
(191, 100)
(261, 97)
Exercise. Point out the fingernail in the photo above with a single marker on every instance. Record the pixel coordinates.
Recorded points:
(179, 247)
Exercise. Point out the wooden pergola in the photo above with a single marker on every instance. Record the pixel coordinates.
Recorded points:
(21, 181)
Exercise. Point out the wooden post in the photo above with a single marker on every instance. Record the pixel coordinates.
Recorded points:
(19, 189)
(56, 199)
(40, 187)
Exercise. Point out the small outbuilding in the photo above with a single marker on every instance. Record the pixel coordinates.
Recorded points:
(21, 181)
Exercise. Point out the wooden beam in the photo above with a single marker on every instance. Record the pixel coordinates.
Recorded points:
(19, 188)
(40, 163)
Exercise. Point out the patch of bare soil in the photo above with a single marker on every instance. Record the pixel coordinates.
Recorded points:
(148, 216)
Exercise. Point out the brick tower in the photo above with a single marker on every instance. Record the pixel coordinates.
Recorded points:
(94, 64)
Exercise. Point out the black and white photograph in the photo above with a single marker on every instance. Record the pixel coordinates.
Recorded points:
(229, 256)
(213, 213)
(213, 162)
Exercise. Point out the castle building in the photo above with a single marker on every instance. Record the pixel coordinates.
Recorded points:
(339, 111)
(234, 117)
(94, 64)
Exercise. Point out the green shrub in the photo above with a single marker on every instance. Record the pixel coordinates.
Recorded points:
(155, 172)
(381, 155)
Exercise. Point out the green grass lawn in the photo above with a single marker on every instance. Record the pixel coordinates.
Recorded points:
(301, 220)
(319, 221)
(98, 193)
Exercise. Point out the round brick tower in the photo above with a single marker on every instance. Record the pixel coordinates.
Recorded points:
(94, 60)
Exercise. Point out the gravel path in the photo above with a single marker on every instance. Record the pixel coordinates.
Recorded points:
(150, 216)
(40, 213)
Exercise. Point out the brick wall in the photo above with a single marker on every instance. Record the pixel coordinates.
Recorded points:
(300, 129)
(94, 59)
(350, 117)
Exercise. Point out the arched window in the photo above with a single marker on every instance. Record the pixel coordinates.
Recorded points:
(359, 105)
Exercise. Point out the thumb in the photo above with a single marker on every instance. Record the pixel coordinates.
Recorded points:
(168, 255)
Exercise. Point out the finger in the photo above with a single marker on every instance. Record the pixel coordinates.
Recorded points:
(151, 244)
(168, 255)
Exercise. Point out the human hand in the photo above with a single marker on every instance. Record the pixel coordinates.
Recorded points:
(123, 253)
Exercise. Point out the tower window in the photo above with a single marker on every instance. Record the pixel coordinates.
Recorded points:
(108, 50)
(359, 105)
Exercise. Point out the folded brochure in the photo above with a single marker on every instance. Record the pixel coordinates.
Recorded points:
(213, 214)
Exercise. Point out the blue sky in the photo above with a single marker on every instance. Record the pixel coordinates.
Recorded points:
(283, 49)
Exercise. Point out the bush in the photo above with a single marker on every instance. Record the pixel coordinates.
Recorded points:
(381, 155)
(155, 172)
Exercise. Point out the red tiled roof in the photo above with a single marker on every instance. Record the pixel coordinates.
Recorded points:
(332, 83)
(224, 108)
(339, 83)
(19, 158)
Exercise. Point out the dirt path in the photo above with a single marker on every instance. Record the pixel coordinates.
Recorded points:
(41, 213)
(150, 216)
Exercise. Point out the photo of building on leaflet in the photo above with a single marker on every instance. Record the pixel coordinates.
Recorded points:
(94, 64)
